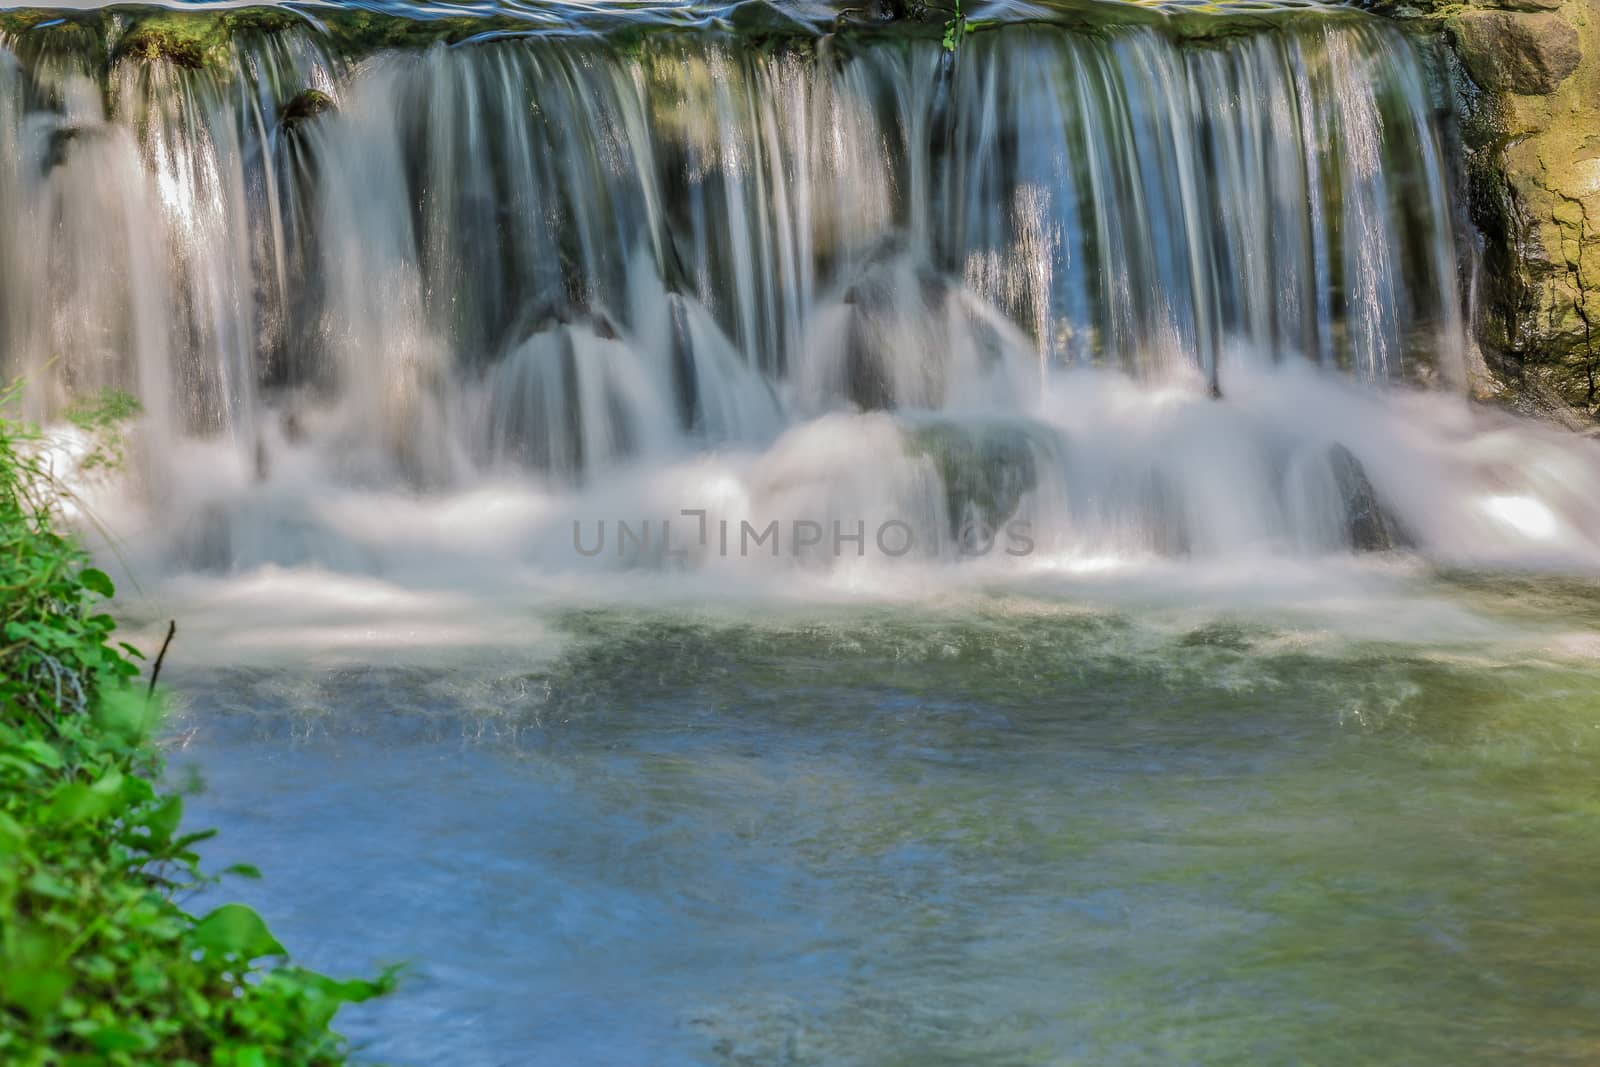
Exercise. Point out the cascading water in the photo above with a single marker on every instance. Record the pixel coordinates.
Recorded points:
(1153, 296)
(567, 460)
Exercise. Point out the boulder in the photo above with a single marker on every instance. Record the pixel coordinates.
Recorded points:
(1529, 53)
(1530, 106)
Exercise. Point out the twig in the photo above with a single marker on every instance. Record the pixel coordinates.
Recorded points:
(155, 672)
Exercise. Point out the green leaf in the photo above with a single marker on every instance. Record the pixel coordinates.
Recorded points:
(48, 885)
(114, 1039)
(163, 820)
(12, 834)
(235, 929)
(41, 753)
(74, 802)
(97, 581)
(125, 712)
(242, 870)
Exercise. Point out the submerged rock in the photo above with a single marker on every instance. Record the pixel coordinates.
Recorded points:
(986, 469)
(916, 338)
(570, 398)
(885, 299)
(1369, 527)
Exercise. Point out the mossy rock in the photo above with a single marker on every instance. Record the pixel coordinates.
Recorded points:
(304, 106)
(354, 33)
(201, 39)
(35, 35)
(191, 40)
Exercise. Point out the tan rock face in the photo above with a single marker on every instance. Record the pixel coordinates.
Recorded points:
(1533, 138)
(1517, 52)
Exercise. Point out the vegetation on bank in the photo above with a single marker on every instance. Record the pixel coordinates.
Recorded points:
(99, 962)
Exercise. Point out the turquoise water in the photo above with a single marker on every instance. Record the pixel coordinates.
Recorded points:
(1061, 827)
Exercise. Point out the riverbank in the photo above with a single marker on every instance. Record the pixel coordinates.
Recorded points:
(99, 961)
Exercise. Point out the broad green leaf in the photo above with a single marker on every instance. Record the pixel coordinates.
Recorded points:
(42, 753)
(97, 581)
(162, 822)
(235, 929)
(76, 802)
(48, 885)
(115, 1039)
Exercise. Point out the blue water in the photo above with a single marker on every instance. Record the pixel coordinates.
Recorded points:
(1030, 835)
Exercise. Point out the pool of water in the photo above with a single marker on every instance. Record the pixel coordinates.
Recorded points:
(1099, 822)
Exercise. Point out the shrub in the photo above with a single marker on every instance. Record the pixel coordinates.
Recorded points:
(98, 962)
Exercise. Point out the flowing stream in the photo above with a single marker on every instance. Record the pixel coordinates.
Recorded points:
(837, 552)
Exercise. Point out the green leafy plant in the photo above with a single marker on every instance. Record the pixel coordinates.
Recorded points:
(99, 964)
(955, 28)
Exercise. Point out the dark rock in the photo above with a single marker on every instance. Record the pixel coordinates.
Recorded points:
(763, 22)
(305, 105)
(65, 140)
(685, 383)
(891, 295)
(1369, 526)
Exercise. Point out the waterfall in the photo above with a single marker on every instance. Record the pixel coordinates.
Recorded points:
(1075, 277)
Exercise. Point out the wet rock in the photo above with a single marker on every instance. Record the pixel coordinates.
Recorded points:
(986, 469)
(65, 140)
(564, 400)
(685, 385)
(915, 334)
(762, 22)
(1533, 169)
(1165, 519)
(880, 302)
(1369, 527)
(1517, 52)
(305, 105)
(182, 39)
(34, 35)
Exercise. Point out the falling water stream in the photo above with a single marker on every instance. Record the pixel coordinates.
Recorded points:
(837, 551)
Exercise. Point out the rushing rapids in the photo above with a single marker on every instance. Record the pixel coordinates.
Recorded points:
(1149, 294)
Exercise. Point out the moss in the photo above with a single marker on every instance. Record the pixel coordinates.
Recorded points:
(191, 40)
(34, 35)
(353, 33)
(305, 105)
